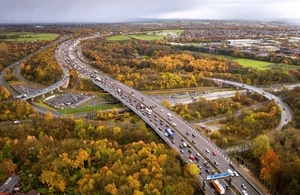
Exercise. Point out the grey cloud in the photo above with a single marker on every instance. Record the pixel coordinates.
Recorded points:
(125, 10)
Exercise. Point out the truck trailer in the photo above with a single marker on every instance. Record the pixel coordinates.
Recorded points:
(218, 186)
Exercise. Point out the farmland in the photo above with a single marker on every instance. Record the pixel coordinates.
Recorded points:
(27, 37)
(262, 65)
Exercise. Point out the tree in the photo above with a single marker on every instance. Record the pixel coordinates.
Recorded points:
(269, 167)
(261, 145)
(48, 116)
(8, 167)
(193, 169)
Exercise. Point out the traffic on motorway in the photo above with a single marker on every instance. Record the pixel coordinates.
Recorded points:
(190, 143)
(177, 133)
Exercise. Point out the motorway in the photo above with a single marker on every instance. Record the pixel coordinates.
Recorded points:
(196, 142)
(287, 114)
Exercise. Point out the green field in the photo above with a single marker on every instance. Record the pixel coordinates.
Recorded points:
(118, 38)
(89, 108)
(148, 37)
(30, 37)
(262, 65)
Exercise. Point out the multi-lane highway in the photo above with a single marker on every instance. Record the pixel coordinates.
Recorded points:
(187, 140)
(195, 143)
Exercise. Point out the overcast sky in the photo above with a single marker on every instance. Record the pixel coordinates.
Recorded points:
(28, 11)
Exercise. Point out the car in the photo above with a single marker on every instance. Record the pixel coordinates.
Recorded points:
(174, 124)
(17, 122)
(206, 163)
(243, 186)
(235, 173)
(214, 153)
(184, 144)
(193, 142)
(199, 166)
(207, 150)
(189, 151)
(216, 163)
(244, 192)
(196, 158)
(197, 154)
(187, 133)
(207, 171)
(193, 135)
(180, 146)
(162, 110)
(182, 151)
(173, 142)
(191, 157)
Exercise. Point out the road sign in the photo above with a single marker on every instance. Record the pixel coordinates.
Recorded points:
(218, 176)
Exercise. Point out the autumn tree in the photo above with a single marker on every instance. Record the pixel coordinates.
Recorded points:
(261, 145)
(270, 165)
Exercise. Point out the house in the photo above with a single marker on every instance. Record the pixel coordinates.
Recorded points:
(31, 192)
(9, 186)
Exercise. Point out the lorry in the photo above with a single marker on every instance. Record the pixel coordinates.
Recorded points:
(218, 186)
(169, 132)
(148, 111)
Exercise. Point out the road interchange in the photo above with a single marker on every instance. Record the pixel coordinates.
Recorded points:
(183, 131)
